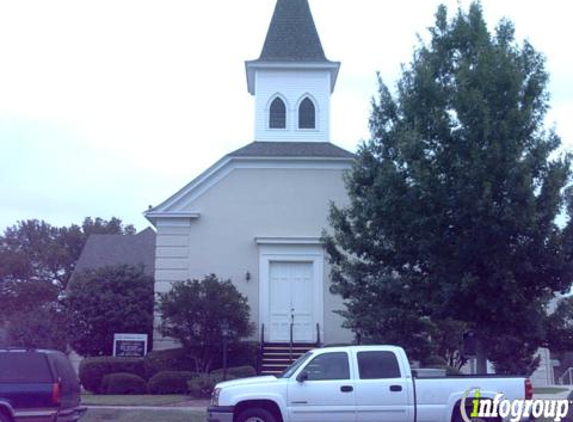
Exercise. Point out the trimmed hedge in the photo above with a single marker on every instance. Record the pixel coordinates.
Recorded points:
(168, 360)
(94, 369)
(170, 382)
(123, 383)
(243, 353)
(236, 372)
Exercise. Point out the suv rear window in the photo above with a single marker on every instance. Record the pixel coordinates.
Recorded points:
(24, 367)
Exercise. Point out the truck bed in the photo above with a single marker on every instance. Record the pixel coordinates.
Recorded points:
(434, 394)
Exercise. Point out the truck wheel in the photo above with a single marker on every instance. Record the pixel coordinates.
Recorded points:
(4, 417)
(256, 415)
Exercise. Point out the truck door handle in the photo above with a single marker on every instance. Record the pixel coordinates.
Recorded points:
(395, 388)
(346, 388)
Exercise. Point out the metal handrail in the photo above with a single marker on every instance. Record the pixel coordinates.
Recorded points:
(261, 350)
(567, 374)
(291, 341)
(318, 334)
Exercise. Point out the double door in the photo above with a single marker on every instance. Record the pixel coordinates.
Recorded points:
(291, 301)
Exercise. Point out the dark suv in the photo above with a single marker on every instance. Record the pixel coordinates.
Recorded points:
(38, 386)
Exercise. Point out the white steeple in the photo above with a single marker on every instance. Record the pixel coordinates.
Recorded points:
(292, 80)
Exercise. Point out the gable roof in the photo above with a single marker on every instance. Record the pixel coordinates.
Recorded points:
(254, 155)
(292, 35)
(292, 149)
(102, 250)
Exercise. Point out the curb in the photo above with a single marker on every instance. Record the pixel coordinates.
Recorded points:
(180, 408)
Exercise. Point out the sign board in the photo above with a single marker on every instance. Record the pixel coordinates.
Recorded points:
(130, 345)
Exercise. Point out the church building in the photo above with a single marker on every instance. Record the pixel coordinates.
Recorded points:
(256, 215)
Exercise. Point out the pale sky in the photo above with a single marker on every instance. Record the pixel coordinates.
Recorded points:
(109, 106)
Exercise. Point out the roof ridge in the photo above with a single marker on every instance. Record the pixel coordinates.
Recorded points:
(291, 149)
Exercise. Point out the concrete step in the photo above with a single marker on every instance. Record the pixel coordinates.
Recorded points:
(278, 356)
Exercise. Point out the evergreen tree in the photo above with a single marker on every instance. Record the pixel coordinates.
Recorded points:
(454, 199)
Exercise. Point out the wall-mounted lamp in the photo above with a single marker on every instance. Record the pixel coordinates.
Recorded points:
(248, 276)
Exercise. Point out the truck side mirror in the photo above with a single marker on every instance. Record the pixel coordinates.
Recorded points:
(302, 377)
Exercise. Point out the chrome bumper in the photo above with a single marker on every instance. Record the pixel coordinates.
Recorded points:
(220, 414)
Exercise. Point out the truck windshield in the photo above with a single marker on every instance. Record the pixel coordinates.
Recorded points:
(287, 373)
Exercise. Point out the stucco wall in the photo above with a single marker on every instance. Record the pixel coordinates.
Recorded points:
(246, 204)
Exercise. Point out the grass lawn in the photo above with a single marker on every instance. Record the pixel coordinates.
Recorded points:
(131, 400)
(548, 390)
(130, 415)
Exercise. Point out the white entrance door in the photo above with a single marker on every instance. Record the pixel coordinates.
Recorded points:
(291, 300)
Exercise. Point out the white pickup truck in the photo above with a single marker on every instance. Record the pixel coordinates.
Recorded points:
(355, 384)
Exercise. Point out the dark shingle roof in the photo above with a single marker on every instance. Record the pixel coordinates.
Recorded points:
(292, 149)
(102, 250)
(292, 35)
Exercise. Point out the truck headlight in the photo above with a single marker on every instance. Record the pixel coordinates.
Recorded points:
(215, 397)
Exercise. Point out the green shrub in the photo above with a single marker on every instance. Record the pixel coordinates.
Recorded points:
(243, 353)
(202, 385)
(108, 300)
(170, 382)
(168, 360)
(193, 312)
(123, 383)
(236, 372)
(93, 369)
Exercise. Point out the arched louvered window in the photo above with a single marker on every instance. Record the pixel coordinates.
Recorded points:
(306, 115)
(277, 114)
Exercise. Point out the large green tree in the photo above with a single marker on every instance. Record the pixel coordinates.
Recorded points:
(105, 301)
(36, 262)
(560, 326)
(43, 327)
(34, 250)
(454, 199)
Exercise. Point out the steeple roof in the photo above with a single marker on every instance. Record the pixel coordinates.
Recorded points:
(292, 35)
